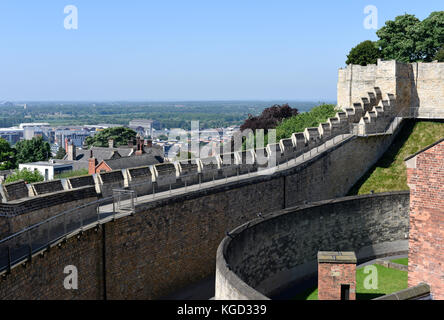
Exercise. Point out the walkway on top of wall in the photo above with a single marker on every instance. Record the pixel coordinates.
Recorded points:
(330, 144)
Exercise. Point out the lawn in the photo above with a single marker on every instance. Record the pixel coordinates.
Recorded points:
(70, 174)
(404, 261)
(389, 281)
(389, 173)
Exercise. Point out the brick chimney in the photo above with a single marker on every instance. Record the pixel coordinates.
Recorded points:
(336, 275)
(149, 143)
(111, 143)
(92, 163)
(140, 143)
(131, 143)
(71, 152)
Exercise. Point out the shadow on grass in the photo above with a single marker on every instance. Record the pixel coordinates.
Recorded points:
(368, 296)
(305, 294)
(388, 157)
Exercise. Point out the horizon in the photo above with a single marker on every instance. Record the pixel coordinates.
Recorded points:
(179, 52)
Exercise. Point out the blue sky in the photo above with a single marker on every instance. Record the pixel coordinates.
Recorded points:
(184, 50)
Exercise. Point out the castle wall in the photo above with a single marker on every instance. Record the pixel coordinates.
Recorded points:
(333, 173)
(43, 278)
(429, 94)
(32, 210)
(417, 85)
(280, 250)
(171, 243)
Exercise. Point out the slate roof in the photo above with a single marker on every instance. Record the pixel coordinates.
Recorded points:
(101, 153)
(152, 156)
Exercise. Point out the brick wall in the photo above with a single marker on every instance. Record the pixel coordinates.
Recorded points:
(334, 272)
(426, 256)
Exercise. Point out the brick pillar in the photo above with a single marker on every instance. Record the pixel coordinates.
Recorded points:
(336, 275)
(425, 176)
(92, 163)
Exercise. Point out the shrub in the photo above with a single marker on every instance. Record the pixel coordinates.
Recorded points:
(25, 174)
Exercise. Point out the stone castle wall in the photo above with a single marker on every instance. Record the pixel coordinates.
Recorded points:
(168, 244)
(417, 86)
(171, 243)
(278, 251)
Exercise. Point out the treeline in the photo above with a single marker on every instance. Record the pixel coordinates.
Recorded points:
(25, 151)
(166, 115)
(405, 39)
(286, 121)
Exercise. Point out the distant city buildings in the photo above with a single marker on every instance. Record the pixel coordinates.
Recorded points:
(143, 127)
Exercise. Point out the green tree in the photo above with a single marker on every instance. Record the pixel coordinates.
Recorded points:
(60, 153)
(440, 55)
(430, 36)
(398, 38)
(365, 53)
(26, 175)
(7, 156)
(120, 135)
(33, 150)
(163, 137)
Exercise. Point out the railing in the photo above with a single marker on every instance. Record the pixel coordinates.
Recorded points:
(124, 201)
(22, 245)
(213, 177)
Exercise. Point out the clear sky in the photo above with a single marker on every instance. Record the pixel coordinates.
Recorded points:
(184, 50)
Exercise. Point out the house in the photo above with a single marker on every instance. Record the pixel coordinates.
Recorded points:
(141, 155)
(48, 169)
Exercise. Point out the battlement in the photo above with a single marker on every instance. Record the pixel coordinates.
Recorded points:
(417, 86)
(370, 99)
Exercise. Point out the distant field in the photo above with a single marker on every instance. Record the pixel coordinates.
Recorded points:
(211, 114)
(390, 173)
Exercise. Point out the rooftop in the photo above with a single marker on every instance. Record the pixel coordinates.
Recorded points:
(336, 257)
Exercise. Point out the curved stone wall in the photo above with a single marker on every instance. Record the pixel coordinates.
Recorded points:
(269, 254)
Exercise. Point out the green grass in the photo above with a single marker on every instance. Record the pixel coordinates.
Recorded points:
(70, 174)
(403, 261)
(389, 281)
(390, 173)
